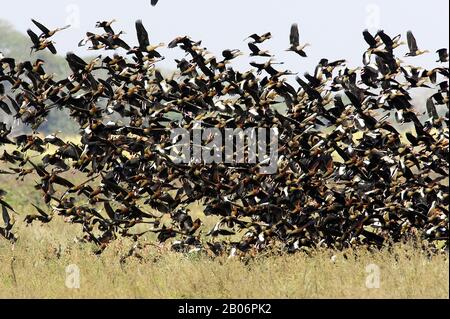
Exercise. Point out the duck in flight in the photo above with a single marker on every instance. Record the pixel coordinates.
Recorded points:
(295, 42)
(413, 48)
(42, 41)
(47, 33)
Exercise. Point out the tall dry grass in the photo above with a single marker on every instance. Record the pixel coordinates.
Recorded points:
(35, 267)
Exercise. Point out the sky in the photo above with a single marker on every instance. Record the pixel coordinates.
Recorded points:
(333, 28)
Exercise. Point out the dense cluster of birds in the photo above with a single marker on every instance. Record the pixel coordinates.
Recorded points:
(359, 163)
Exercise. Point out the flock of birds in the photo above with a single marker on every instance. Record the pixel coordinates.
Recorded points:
(359, 163)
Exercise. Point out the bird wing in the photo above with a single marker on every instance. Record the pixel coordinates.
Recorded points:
(5, 215)
(386, 39)
(5, 107)
(431, 109)
(52, 48)
(33, 36)
(381, 66)
(369, 39)
(14, 104)
(254, 48)
(154, 2)
(75, 61)
(412, 44)
(109, 211)
(40, 211)
(41, 27)
(122, 44)
(294, 37)
(142, 35)
(443, 54)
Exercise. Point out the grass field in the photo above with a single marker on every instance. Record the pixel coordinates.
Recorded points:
(36, 268)
(37, 265)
